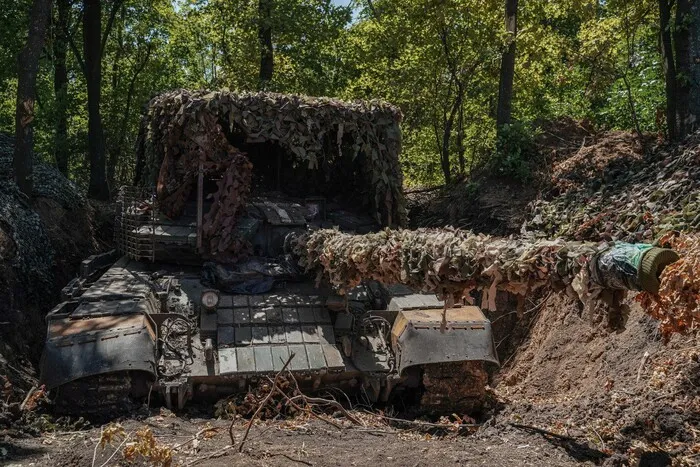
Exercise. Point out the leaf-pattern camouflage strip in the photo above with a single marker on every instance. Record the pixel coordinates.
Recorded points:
(180, 127)
(450, 262)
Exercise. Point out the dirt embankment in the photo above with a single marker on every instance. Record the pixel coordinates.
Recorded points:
(625, 391)
(42, 242)
(570, 390)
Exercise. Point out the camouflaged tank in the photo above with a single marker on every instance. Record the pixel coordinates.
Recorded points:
(177, 312)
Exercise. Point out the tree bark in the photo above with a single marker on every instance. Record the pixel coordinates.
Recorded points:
(669, 67)
(265, 38)
(446, 134)
(681, 44)
(694, 101)
(121, 137)
(60, 86)
(92, 52)
(26, 95)
(505, 86)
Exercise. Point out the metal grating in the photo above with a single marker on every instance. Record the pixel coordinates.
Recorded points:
(135, 217)
(143, 233)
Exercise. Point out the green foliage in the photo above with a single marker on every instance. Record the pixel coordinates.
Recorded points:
(435, 59)
(515, 153)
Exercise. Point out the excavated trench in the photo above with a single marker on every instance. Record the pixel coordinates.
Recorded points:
(570, 385)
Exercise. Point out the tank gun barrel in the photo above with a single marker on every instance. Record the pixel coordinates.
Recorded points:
(453, 262)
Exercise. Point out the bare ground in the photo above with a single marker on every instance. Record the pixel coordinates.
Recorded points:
(285, 443)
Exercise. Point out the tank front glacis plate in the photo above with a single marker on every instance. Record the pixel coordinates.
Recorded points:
(257, 334)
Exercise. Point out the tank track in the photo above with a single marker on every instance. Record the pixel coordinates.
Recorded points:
(458, 387)
(107, 394)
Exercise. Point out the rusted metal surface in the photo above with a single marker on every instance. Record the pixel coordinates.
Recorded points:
(107, 394)
(422, 337)
(80, 348)
(71, 327)
(458, 387)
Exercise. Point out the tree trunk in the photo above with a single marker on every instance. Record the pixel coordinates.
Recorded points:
(669, 68)
(681, 43)
(460, 140)
(26, 95)
(505, 86)
(92, 51)
(121, 137)
(446, 135)
(265, 38)
(694, 101)
(60, 86)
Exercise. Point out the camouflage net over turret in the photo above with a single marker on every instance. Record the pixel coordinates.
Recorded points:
(182, 129)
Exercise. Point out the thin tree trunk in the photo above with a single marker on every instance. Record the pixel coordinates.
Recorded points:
(92, 51)
(265, 38)
(113, 152)
(694, 101)
(114, 156)
(633, 111)
(505, 86)
(446, 134)
(26, 95)
(669, 68)
(681, 43)
(460, 140)
(60, 86)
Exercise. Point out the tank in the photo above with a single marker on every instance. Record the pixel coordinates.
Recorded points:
(172, 315)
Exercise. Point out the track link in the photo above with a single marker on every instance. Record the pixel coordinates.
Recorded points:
(458, 387)
(101, 395)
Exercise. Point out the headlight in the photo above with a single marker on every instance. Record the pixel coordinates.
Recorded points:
(210, 299)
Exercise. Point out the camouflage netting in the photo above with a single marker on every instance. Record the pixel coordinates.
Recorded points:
(27, 247)
(182, 129)
(610, 192)
(677, 306)
(452, 263)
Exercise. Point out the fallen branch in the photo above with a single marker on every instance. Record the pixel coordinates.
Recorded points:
(289, 457)
(641, 365)
(214, 454)
(262, 404)
(116, 450)
(196, 436)
(336, 404)
(429, 424)
(28, 396)
(300, 409)
(542, 431)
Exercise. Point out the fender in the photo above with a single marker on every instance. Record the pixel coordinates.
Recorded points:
(78, 347)
(420, 337)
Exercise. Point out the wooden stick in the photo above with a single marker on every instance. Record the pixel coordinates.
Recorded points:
(218, 453)
(262, 404)
(429, 424)
(318, 400)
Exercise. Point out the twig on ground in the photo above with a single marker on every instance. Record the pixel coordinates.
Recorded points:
(214, 454)
(262, 404)
(94, 451)
(28, 396)
(314, 414)
(429, 424)
(641, 365)
(116, 450)
(318, 400)
(541, 431)
(599, 437)
(196, 436)
(289, 457)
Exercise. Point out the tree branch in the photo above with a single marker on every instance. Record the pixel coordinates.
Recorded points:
(110, 23)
